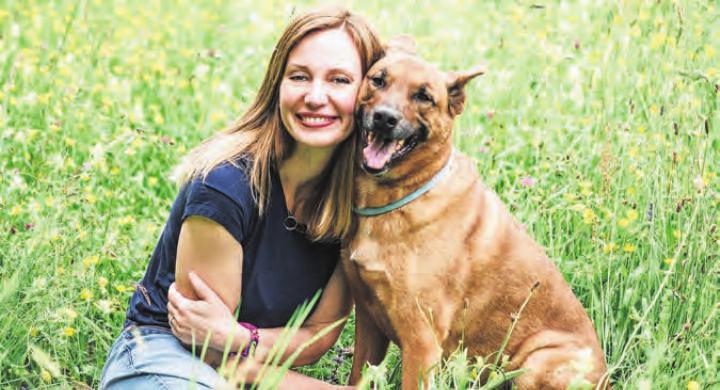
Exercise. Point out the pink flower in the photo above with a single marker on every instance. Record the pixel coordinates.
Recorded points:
(527, 181)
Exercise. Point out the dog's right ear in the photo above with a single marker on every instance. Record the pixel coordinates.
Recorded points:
(456, 88)
(403, 42)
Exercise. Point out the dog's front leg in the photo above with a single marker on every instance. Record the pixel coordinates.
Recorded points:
(418, 360)
(370, 344)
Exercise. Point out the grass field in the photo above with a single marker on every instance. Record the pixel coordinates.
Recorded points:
(597, 123)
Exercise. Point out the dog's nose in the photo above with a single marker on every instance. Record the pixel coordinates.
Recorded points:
(385, 119)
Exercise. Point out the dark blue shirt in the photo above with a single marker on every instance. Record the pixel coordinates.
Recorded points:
(281, 268)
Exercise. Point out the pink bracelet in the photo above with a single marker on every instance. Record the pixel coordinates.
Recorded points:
(254, 339)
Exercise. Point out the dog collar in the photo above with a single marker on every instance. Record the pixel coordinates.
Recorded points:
(373, 211)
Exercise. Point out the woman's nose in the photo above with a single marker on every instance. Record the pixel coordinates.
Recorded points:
(316, 96)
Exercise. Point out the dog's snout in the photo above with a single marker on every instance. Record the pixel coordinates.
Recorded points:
(385, 119)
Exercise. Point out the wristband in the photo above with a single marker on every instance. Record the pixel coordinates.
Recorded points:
(254, 339)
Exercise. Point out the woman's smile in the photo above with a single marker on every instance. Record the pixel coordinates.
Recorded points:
(313, 120)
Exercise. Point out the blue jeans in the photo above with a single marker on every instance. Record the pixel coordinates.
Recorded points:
(151, 357)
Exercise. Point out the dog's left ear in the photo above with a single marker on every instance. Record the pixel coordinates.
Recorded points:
(456, 88)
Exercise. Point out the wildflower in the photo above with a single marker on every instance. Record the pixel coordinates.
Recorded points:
(676, 233)
(693, 385)
(632, 215)
(699, 183)
(629, 248)
(69, 331)
(45, 375)
(669, 261)
(102, 281)
(104, 306)
(33, 331)
(588, 216)
(90, 198)
(114, 171)
(120, 288)
(152, 181)
(623, 222)
(610, 248)
(527, 181)
(86, 294)
(586, 188)
(17, 209)
(91, 260)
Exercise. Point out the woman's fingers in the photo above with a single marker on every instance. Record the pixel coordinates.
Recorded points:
(182, 304)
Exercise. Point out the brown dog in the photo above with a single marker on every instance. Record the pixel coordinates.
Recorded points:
(451, 265)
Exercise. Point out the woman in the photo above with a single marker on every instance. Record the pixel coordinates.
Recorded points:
(261, 212)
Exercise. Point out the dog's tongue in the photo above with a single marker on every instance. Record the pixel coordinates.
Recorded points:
(378, 153)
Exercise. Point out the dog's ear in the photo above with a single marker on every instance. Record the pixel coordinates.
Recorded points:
(456, 88)
(403, 42)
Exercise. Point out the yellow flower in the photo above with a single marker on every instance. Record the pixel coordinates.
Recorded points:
(709, 51)
(609, 248)
(120, 288)
(102, 281)
(17, 209)
(693, 385)
(91, 198)
(676, 233)
(624, 222)
(86, 294)
(629, 248)
(632, 215)
(669, 260)
(69, 142)
(69, 331)
(588, 216)
(114, 171)
(152, 181)
(91, 260)
(33, 331)
(45, 375)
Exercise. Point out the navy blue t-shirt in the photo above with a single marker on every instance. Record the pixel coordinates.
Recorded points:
(281, 268)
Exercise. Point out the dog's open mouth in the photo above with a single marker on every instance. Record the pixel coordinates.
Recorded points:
(378, 152)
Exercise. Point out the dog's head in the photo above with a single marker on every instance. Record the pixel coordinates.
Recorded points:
(406, 108)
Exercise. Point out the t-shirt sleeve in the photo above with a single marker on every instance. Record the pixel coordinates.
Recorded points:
(223, 197)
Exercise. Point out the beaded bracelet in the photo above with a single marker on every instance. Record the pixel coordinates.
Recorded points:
(254, 339)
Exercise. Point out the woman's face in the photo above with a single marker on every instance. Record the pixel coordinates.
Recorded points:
(319, 87)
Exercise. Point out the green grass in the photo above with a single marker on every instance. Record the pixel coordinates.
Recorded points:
(610, 107)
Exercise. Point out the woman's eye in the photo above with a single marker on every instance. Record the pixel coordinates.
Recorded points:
(298, 77)
(341, 80)
(377, 81)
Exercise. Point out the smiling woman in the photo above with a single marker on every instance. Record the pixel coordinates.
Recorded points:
(290, 157)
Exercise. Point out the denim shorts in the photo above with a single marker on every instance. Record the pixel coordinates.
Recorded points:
(151, 357)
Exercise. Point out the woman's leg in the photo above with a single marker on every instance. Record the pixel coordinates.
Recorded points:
(152, 357)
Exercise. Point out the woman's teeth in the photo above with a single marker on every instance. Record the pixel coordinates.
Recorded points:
(315, 120)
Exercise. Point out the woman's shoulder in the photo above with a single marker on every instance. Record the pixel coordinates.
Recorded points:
(231, 179)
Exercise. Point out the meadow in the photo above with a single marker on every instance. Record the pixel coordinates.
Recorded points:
(597, 124)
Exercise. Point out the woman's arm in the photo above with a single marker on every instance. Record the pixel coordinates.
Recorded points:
(209, 313)
(209, 251)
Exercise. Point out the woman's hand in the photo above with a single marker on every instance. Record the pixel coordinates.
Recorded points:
(206, 316)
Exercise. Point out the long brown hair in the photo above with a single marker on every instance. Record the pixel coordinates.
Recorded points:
(326, 205)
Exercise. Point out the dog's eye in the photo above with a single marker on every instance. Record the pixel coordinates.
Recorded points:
(377, 81)
(424, 97)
